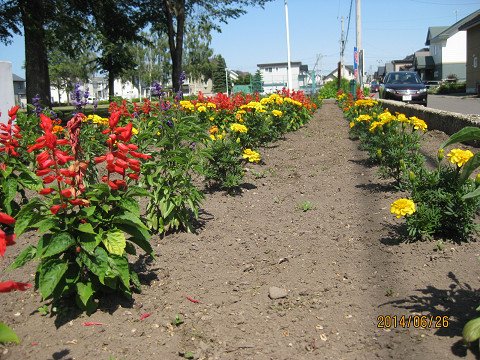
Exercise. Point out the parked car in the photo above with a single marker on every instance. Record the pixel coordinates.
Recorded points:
(404, 86)
(374, 86)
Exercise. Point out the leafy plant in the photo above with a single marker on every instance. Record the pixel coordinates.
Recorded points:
(305, 206)
(83, 248)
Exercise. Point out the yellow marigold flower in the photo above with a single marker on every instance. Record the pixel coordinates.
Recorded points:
(211, 105)
(251, 156)
(202, 108)
(57, 129)
(352, 124)
(238, 128)
(365, 102)
(364, 117)
(277, 113)
(134, 131)
(266, 101)
(211, 118)
(187, 105)
(402, 118)
(213, 129)
(386, 117)
(459, 157)
(374, 125)
(418, 124)
(241, 112)
(402, 207)
(212, 137)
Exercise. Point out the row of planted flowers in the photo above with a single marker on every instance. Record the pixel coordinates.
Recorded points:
(442, 200)
(91, 170)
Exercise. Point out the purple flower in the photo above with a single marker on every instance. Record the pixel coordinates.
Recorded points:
(36, 103)
(157, 89)
(170, 123)
(166, 105)
(78, 101)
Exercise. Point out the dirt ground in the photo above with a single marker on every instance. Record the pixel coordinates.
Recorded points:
(313, 220)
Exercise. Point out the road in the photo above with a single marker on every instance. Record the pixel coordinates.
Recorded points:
(458, 104)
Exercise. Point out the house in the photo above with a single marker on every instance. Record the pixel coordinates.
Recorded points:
(448, 48)
(275, 75)
(472, 27)
(423, 64)
(348, 73)
(19, 90)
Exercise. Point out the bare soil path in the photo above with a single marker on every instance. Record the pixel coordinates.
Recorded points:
(313, 220)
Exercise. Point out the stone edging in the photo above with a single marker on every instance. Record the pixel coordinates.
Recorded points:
(448, 122)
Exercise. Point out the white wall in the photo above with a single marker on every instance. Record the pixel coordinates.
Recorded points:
(455, 50)
(7, 98)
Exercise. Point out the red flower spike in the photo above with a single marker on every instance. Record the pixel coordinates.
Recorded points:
(66, 193)
(133, 176)
(140, 155)
(6, 219)
(132, 147)
(46, 191)
(100, 159)
(8, 286)
(114, 118)
(43, 172)
(13, 111)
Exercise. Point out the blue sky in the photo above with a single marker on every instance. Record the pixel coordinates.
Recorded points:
(391, 30)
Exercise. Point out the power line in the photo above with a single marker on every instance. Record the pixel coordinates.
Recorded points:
(437, 3)
(348, 25)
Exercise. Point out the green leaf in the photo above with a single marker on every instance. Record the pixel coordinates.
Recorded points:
(85, 292)
(129, 218)
(10, 189)
(130, 205)
(472, 194)
(27, 215)
(97, 264)
(25, 256)
(7, 172)
(29, 180)
(471, 330)
(137, 191)
(130, 249)
(51, 273)
(138, 236)
(468, 133)
(119, 267)
(470, 167)
(89, 211)
(89, 242)
(166, 207)
(7, 335)
(45, 224)
(114, 242)
(57, 244)
(86, 228)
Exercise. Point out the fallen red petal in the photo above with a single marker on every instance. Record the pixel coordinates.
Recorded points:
(92, 323)
(193, 300)
(144, 316)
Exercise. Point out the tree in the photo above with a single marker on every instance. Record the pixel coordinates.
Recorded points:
(219, 75)
(115, 24)
(65, 71)
(196, 62)
(29, 16)
(170, 16)
(243, 79)
(257, 82)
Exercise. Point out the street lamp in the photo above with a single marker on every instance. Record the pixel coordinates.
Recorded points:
(226, 78)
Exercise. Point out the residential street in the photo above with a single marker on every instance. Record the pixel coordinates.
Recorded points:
(459, 104)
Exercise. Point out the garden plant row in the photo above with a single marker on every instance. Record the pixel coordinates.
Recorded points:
(441, 202)
(86, 175)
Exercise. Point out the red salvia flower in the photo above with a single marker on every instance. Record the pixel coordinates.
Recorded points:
(6, 219)
(8, 286)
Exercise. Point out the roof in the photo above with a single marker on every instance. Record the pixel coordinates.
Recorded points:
(424, 62)
(17, 78)
(471, 23)
(335, 72)
(298, 63)
(452, 30)
(433, 31)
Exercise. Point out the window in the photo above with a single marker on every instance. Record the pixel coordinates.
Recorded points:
(269, 69)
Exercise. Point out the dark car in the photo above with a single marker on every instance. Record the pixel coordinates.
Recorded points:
(404, 86)
(374, 86)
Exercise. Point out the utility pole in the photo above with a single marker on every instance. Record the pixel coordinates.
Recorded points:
(226, 78)
(359, 43)
(289, 67)
(342, 47)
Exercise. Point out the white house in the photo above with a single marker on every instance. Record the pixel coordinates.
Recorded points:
(348, 73)
(97, 87)
(275, 75)
(448, 48)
